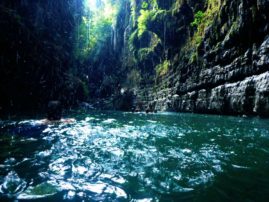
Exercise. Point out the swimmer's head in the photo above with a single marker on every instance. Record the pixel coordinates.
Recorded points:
(54, 111)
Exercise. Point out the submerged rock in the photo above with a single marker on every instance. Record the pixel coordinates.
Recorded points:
(43, 190)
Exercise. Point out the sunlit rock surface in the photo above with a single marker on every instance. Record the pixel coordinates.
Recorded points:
(227, 73)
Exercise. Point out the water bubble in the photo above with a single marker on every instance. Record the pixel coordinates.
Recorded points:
(10, 162)
(143, 200)
(108, 121)
(186, 151)
(70, 195)
(87, 119)
(45, 153)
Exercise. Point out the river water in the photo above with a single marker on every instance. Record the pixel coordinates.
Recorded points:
(115, 156)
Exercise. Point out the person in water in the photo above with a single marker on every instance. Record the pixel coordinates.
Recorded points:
(34, 128)
(54, 113)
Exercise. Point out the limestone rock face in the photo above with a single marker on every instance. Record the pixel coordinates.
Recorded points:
(231, 75)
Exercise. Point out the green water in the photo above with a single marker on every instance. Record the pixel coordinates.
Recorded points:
(114, 156)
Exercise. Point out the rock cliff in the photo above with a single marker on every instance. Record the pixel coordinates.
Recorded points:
(206, 57)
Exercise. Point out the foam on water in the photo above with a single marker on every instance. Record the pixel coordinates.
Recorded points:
(132, 157)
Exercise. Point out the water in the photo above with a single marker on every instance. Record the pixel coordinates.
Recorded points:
(114, 156)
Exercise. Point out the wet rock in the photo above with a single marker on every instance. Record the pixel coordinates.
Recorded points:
(12, 184)
(262, 4)
(222, 74)
(124, 101)
(40, 191)
(261, 105)
(231, 76)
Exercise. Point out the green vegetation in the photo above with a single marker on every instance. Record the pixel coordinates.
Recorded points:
(42, 190)
(132, 39)
(143, 19)
(176, 6)
(148, 13)
(148, 25)
(144, 5)
(234, 28)
(198, 17)
(94, 29)
(194, 57)
(163, 68)
(204, 19)
(144, 53)
(153, 4)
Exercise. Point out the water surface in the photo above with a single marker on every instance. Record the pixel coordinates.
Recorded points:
(114, 156)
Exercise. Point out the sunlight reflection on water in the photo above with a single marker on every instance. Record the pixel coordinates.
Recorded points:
(129, 157)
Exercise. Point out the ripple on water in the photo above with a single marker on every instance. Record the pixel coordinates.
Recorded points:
(134, 158)
(12, 184)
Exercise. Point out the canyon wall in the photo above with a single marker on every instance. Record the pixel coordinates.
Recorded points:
(206, 57)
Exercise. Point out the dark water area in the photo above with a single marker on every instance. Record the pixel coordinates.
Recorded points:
(115, 156)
